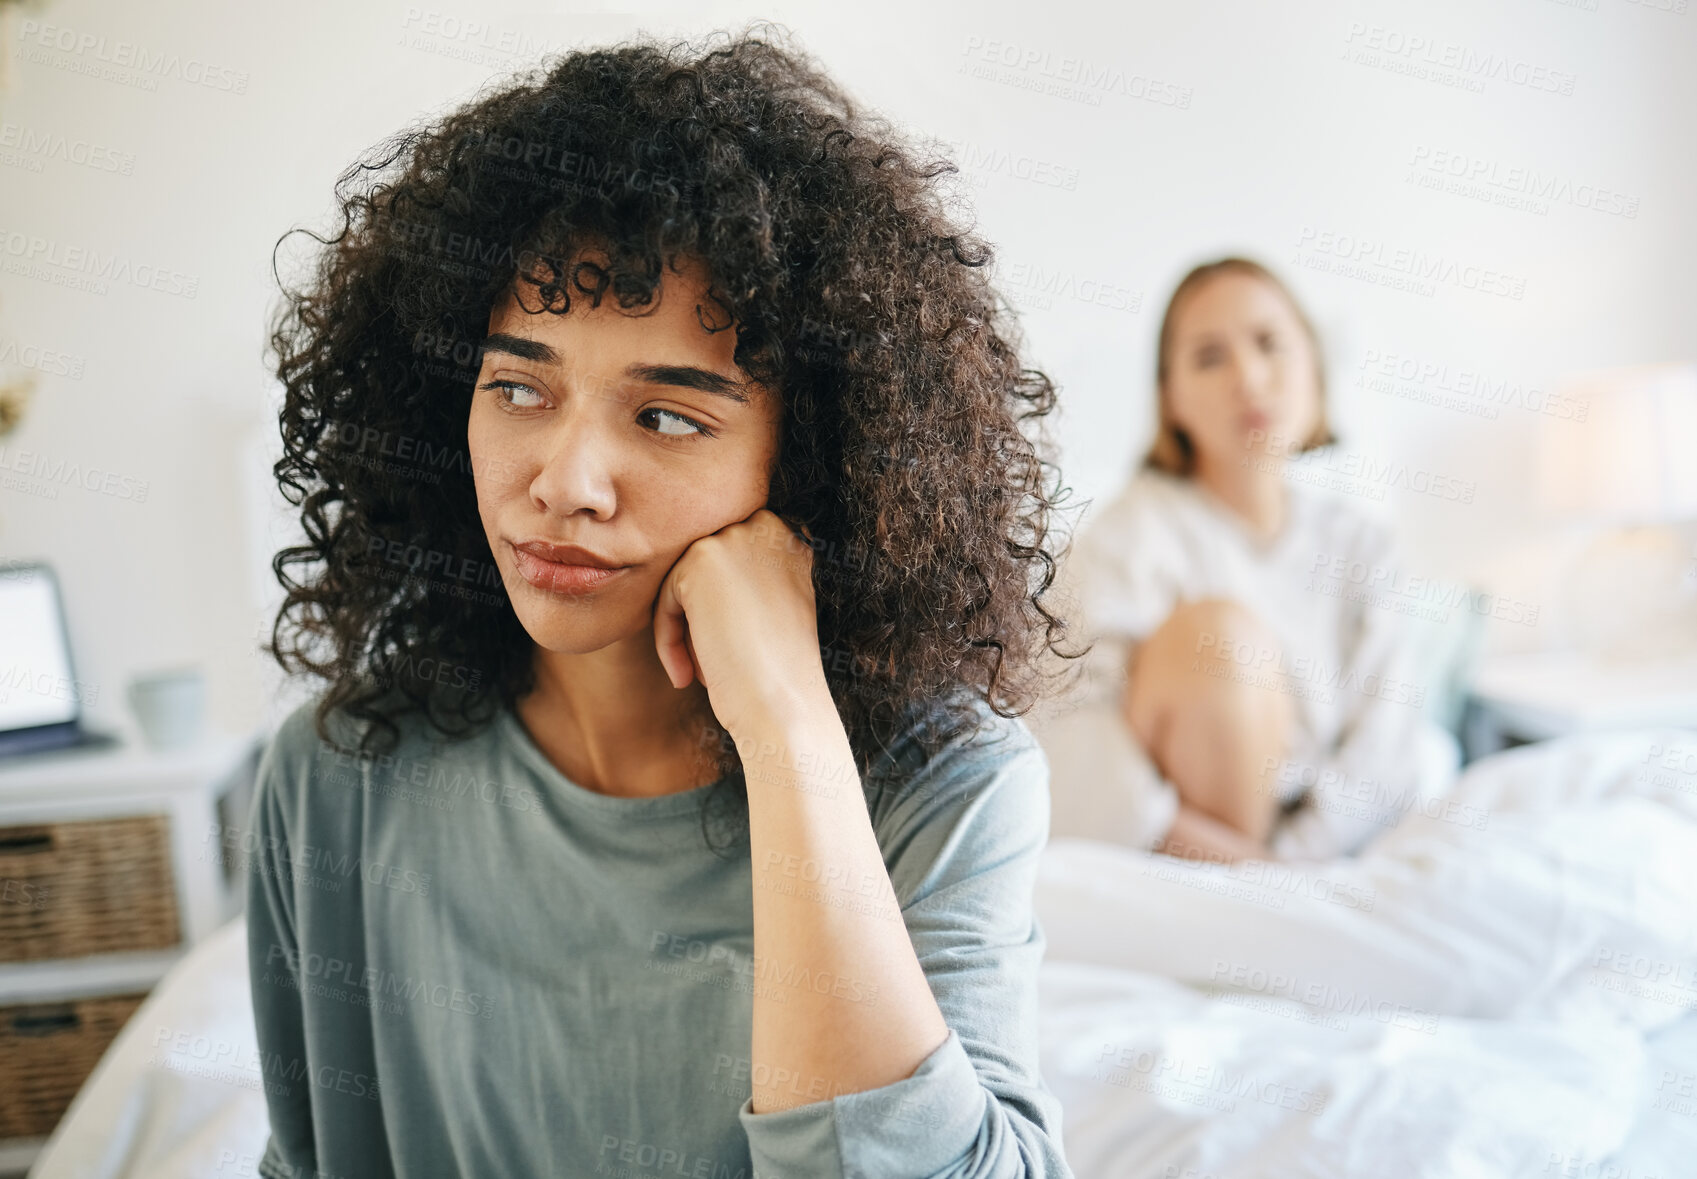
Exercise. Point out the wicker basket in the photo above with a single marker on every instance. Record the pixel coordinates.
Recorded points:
(92, 887)
(47, 1051)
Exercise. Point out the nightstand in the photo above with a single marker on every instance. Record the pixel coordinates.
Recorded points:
(1517, 699)
(113, 864)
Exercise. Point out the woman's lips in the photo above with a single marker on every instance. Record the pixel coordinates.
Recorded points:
(560, 578)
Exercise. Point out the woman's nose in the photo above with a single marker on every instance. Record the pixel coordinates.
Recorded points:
(577, 469)
(1254, 376)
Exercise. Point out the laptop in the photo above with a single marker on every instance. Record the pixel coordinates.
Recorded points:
(41, 699)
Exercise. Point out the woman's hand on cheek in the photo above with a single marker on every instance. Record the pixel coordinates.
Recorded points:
(737, 612)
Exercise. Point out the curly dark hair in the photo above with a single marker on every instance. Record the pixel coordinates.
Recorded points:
(853, 292)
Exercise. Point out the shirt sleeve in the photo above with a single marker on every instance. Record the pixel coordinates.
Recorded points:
(1128, 570)
(961, 839)
(1389, 753)
(1123, 577)
(273, 977)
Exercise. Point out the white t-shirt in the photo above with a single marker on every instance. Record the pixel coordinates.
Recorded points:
(1364, 749)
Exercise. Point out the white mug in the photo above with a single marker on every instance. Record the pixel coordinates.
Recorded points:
(170, 705)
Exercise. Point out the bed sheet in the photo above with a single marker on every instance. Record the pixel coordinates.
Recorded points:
(1502, 986)
(178, 1093)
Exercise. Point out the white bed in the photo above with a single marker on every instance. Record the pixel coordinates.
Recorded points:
(1512, 996)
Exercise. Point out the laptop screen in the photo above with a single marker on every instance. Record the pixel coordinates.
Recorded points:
(36, 686)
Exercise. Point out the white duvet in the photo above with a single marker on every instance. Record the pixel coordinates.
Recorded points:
(1505, 987)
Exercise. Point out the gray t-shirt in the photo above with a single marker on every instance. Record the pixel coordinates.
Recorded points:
(465, 964)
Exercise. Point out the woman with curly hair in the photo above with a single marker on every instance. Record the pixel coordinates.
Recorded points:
(676, 559)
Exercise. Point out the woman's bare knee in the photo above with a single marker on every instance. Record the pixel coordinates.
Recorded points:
(1223, 629)
(1191, 653)
(1204, 716)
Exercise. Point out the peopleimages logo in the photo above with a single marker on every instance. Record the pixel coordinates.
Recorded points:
(85, 267)
(28, 146)
(1387, 582)
(50, 470)
(434, 31)
(1371, 474)
(1511, 185)
(42, 360)
(1372, 256)
(985, 161)
(151, 64)
(1033, 287)
(1032, 68)
(1449, 62)
(1470, 390)
(1317, 993)
(373, 982)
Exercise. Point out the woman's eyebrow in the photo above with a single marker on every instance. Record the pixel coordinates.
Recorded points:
(520, 347)
(688, 376)
(685, 376)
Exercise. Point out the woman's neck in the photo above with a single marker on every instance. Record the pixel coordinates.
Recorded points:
(613, 723)
(1255, 491)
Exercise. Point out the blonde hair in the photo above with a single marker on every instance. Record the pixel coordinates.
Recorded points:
(1172, 451)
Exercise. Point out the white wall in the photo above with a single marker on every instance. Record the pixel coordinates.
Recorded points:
(1235, 125)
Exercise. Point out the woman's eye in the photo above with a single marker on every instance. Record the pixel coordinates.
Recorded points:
(504, 391)
(1269, 343)
(690, 425)
(1208, 357)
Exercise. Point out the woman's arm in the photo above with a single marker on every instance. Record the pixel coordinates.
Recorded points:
(876, 1020)
(895, 962)
(931, 960)
(738, 611)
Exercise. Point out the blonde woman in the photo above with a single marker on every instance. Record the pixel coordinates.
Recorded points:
(1238, 704)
